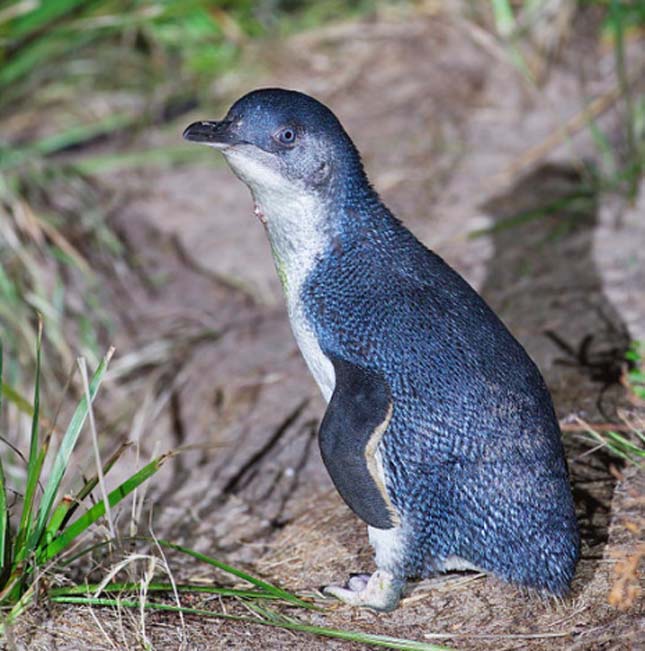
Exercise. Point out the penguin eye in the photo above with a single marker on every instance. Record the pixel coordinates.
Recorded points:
(286, 136)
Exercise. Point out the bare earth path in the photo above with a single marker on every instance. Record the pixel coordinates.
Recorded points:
(443, 120)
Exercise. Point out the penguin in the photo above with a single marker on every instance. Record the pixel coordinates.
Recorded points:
(439, 432)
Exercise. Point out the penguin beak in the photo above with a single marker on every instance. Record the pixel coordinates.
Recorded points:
(214, 134)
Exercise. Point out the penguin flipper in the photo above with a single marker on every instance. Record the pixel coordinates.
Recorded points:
(355, 421)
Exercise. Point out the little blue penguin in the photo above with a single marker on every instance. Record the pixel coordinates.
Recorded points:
(439, 432)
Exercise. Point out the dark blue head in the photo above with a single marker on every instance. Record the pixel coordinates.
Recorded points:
(280, 141)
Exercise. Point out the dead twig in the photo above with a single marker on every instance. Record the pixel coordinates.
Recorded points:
(599, 427)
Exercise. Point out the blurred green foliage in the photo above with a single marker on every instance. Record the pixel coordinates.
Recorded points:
(136, 43)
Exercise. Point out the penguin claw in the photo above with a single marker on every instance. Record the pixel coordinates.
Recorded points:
(381, 591)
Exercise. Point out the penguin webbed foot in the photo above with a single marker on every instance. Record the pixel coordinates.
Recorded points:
(381, 591)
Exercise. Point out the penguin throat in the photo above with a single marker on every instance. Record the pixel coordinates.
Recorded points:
(298, 237)
(292, 214)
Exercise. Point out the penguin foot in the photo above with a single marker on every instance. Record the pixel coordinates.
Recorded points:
(381, 591)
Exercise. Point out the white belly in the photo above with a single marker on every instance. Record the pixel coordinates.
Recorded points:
(319, 365)
(295, 221)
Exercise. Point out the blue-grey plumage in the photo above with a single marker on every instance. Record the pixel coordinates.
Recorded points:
(440, 432)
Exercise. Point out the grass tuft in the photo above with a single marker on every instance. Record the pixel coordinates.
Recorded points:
(44, 532)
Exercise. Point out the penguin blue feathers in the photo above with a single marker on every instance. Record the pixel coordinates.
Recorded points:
(440, 432)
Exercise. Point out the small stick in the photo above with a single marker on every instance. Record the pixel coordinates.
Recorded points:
(495, 636)
(599, 427)
(95, 442)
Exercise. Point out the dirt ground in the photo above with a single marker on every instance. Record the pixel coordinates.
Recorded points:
(456, 142)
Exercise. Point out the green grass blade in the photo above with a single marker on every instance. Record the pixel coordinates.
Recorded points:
(75, 135)
(71, 558)
(619, 445)
(4, 515)
(82, 133)
(91, 588)
(504, 18)
(61, 462)
(58, 517)
(4, 520)
(603, 145)
(384, 641)
(42, 36)
(40, 53)
(618, 441)
(98, 510)
(42, 15)
(567, 202)
(268, 588)
(68, 506)
(17, 608)
(34, 464)
(17, 399)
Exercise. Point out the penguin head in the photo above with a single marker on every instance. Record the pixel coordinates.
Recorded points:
(282, 144)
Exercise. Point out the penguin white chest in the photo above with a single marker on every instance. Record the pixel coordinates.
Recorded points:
(293, 272)
(295, 221)
(319, 364)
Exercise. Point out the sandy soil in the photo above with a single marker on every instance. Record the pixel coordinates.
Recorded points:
(454, 140)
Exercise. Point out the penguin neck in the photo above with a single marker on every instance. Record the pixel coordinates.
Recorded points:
(364, 221)
(298, 230)
(303, 226)
(304, 223)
